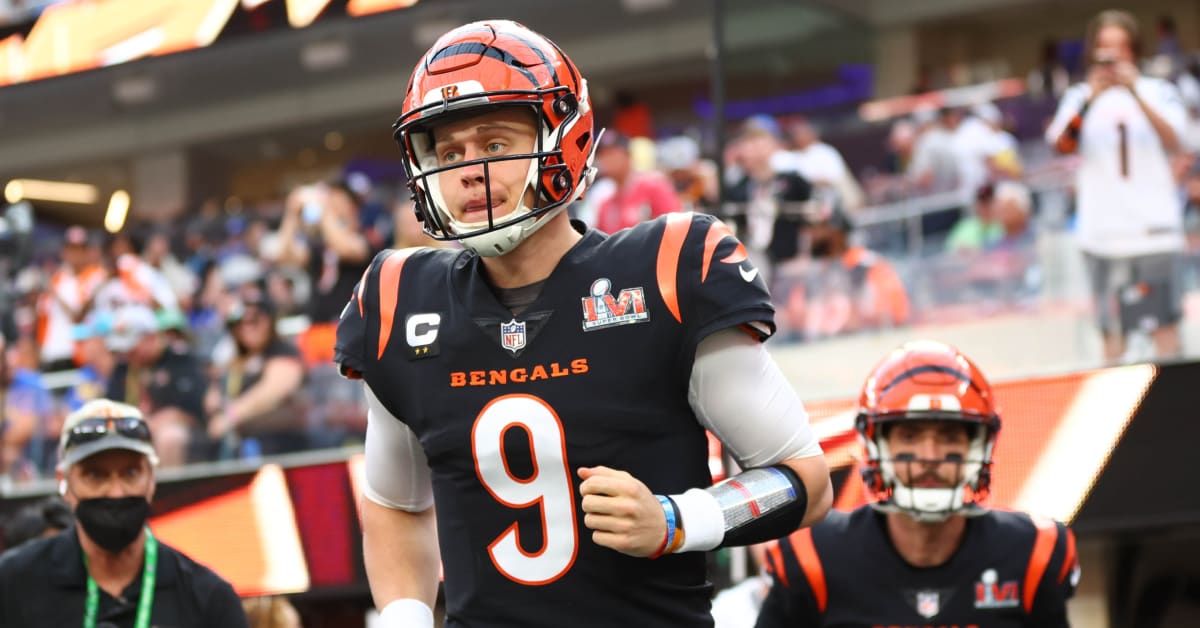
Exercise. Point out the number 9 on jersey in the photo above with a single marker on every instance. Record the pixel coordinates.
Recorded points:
(548, 488)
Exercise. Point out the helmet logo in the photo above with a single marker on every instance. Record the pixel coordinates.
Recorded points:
(453, 90)
(934, 403)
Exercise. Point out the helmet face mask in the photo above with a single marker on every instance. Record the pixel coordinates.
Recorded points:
(929, 385)
(476, 70)
(897, 475)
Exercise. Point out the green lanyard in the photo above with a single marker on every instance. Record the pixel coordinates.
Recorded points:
(149, 574)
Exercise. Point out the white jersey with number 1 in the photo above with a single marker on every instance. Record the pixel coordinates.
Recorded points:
(1127, 199)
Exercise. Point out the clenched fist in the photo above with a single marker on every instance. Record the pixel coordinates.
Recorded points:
(621, 512)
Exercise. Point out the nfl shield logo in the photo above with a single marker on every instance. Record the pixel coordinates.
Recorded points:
(512, 335)
(927, 603)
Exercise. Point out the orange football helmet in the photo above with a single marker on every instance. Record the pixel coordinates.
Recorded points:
(927, 380)
(492, 64)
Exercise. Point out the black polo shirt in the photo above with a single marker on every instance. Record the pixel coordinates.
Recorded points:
(174, 381)
(43, 583)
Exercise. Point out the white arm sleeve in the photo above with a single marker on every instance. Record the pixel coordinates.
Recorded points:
(397, 471)
(740, 395)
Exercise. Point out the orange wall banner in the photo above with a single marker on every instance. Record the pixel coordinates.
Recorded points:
(248, 535)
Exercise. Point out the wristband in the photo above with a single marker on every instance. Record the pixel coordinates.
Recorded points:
(669, 512)
(406, 613)
(680, 535)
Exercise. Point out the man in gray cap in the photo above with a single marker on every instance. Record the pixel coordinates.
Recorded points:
(109, 570)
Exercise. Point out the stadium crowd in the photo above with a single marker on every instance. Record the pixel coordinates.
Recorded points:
(219, 327)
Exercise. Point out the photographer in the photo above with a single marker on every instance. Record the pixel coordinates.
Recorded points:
(1126, 127)
(322, 233)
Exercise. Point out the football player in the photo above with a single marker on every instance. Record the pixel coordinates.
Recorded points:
(925, 552)
(548, 387)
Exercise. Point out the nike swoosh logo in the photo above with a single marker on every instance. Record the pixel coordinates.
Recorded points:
(748, 275)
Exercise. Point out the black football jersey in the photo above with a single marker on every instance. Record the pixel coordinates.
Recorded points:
(1011, 570)
(507, 408)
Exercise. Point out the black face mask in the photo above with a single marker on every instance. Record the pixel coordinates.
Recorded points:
(113, 522)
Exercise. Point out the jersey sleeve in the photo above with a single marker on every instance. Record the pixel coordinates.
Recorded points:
(350, 348)
(708, 282)
(1058, 582)
(793, 600)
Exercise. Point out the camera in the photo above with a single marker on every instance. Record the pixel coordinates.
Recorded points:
(311, 199)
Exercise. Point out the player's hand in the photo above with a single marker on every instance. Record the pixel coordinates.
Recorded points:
(621, 512)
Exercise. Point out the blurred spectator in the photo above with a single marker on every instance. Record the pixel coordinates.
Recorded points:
(29, 413)
(842, 288)
(1189, 88)
(638, 195)
(632, 117)
(91, 378)
(1012, 208)
(980, 150)
(15, 429)
(1129, 213)
(818, 162)
(282, 290)
(68, 300)
(375, 217)
(1006, 270)
(131, 281)
(258, 395)
(694, 179)
(979, 230)
(1050, 79)
(165, 384)
(271, 611)
(322, 233)
(934, 166)
(158, 255)
(766, 205)
(175, 330)
(45, 517)
(1168, 42)
(1001, 149)
(900, 142)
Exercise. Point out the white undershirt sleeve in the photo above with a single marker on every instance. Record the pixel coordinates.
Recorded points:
(739, 394)
(397, 472)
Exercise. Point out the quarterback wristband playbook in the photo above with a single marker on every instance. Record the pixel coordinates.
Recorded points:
(751, 507)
